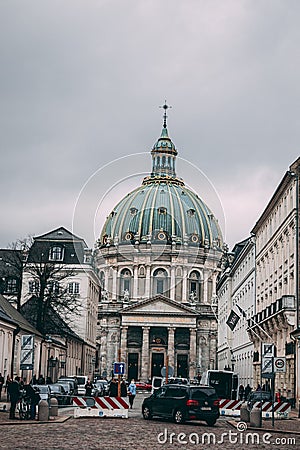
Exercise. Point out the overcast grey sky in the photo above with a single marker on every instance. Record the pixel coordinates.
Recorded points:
(80, 86)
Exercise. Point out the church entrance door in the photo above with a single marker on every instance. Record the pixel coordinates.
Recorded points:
(133, 365)
(182, 366)
(157, 364)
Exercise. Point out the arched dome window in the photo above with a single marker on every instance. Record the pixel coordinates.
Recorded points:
(102, 279)
(195, 287)
(160, 282)
(125, 284)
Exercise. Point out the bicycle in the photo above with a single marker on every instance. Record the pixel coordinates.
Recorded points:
(23, 407)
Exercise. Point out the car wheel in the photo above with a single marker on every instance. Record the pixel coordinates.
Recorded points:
(147, 414)
(178, 416)
(211, 422)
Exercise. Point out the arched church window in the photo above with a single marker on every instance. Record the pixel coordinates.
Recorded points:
(163, 161)
(125, 283)
(102, 279)
(160, 278)
(194, 286)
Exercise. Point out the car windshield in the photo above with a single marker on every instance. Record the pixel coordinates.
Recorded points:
(44, 389)
(81, 380)
(197, 393)
(259, 395)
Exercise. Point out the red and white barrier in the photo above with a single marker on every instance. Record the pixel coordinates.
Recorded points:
(232, 408)
(100, 407)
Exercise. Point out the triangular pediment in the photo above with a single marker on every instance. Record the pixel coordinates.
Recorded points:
(159, 305)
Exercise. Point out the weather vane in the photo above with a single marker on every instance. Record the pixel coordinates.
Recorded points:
(165, 107)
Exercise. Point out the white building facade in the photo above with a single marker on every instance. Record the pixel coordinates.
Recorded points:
(236, 292)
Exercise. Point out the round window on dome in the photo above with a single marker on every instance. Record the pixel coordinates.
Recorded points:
(195, 238)
(133, 211)
(161, 236)
(128, 236)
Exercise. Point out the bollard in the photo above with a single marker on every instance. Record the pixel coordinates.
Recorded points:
(245, 413)
(255, 418)
(43, 412)
(53, 407)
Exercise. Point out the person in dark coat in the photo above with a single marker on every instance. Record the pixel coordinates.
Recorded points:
(88, 388)
(247, 391)
(1, 383)
(34, 397)
(113, 388)
(123, 389)
(14, 395)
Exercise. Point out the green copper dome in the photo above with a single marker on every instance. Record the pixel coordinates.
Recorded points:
(162, 209)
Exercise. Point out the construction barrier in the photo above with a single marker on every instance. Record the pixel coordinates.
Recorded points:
(100, 407)
(232, 408)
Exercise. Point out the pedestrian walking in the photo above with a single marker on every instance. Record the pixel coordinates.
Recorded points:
(131, 393)
(247, 391)
(34, 398)
(123, 389)
(88, 388)
(241, 392)
(113, 388)
(8, 381)
(14, 395)
(1, 383)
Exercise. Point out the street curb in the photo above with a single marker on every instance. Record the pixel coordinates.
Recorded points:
(265, 430)
(35, 422)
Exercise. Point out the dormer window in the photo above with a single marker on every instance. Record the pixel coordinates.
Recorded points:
(162, 210)
(191, 212)
(56, 253)
(133, 211)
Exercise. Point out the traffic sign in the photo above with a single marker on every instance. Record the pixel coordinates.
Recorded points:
(164, 371)
(268, 350)
(119, 368)
(267, 365)
(280, 364)
(27, 352)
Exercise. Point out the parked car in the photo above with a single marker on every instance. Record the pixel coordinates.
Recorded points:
(43, 390)
(68, 387)
(73, 383)
(58, 391)
(143, 386)
(102, 387)
(258, 396)
(81, 382)
(182, 402)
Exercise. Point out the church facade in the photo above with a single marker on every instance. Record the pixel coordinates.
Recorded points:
(158, 258)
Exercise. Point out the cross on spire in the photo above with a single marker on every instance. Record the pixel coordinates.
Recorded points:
(165, 107)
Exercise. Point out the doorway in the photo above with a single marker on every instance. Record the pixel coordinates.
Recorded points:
(133, 365)
(157, 364)
(182, 366)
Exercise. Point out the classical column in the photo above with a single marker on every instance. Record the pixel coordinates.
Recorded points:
(172, 286)
(114, 285)
(193, 349)
(205, 288)
(135, 282)
(145, 355)
(148, 281)
(123, 344)
(184, 285)
(171, 346)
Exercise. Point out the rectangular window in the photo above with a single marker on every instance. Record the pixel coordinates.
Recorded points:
(11, 286)
(56, 254)
(160, 286)
(73, 288)
(53, 287)
(33, 287)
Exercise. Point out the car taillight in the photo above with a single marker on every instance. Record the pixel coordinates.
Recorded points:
(216, 403)
(192, 403)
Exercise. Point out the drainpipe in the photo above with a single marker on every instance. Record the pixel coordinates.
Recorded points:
(15, 332)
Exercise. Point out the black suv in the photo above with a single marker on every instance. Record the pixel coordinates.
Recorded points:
(181, 403)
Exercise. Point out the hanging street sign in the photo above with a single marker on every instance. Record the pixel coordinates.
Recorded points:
(27, 352)
(280, 364)
(267, 365)
(119, 368)
(268, 350)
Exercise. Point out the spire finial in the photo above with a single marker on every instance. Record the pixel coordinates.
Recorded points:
(165, 107)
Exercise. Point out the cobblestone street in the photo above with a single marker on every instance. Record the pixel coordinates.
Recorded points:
(136, 433)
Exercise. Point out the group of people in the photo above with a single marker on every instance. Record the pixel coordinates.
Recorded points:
(113, 389)
(243, 393)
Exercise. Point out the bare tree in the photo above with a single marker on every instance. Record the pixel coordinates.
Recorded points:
(50, 280)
